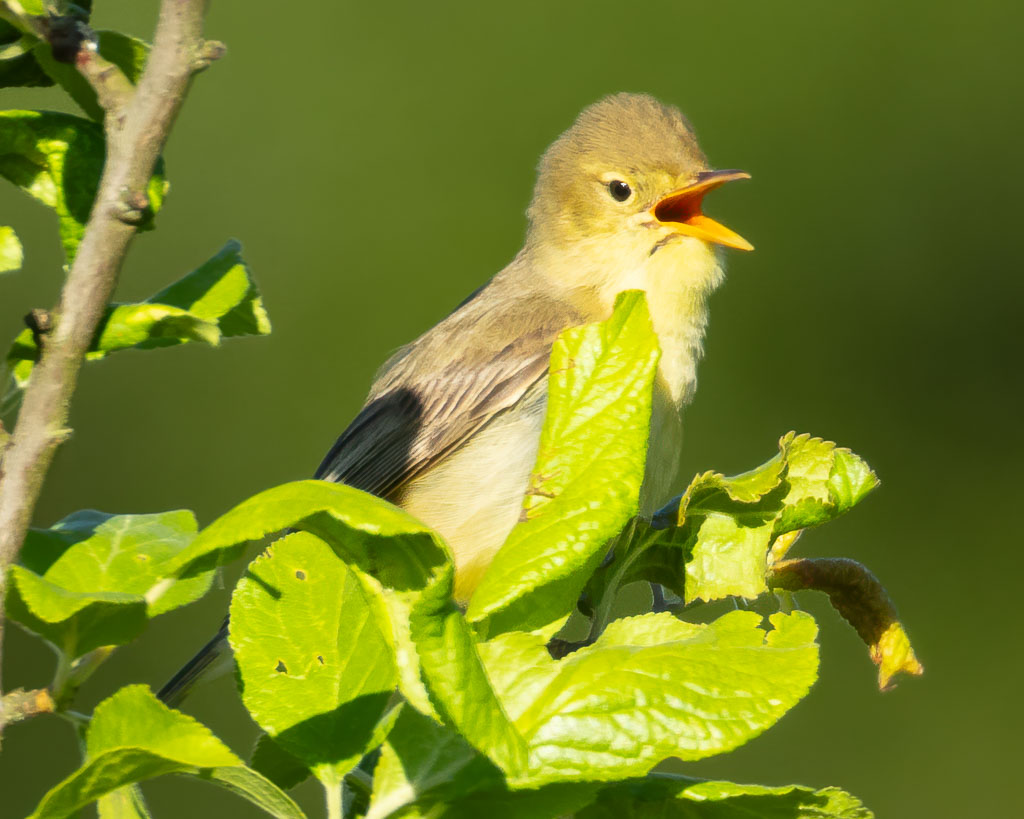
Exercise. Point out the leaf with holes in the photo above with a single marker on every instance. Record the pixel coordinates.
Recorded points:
(409, 566)
(316, 667)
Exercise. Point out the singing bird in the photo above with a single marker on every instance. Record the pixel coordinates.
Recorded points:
(451, 427)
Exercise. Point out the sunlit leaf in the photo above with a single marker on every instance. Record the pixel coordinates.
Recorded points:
(84, 581)
(95, 551)
(712, 541)
(676, 797)
(74, 622)
(58, 159)
(316, 669)
(432, 767)
(11, 255)
(133, 737)
(650, 688)
(894, 655)
(124, 803)
(727, 558)
(411, 568)
(586, 482)
(825, 481)
(218, 300)
(221, 291)
(428, 770)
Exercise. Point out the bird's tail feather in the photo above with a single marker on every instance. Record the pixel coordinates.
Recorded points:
(211, 661)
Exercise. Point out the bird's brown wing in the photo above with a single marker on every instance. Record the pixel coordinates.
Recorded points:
(436, 394)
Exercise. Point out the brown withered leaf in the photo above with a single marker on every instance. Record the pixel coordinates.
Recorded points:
(862, 601)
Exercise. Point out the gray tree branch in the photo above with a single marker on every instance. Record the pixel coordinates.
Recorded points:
(137, 125)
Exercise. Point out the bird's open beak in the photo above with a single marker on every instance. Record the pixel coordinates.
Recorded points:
(681, 210)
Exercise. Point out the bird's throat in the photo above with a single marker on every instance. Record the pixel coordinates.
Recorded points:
(678, 280)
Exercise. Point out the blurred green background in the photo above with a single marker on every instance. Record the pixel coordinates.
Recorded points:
(376, 159)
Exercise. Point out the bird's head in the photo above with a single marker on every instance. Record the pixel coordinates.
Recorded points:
(628, 179)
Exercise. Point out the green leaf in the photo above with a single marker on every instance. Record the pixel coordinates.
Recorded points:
(425, 762)
(74, 622)
(755, 493)
(650, 688)
(712, 541)
(676, 797)
(91, 551)
(23, 12)
(432, 767)
(11, 254)
(614, 709)
(133, 737)
(825, 481)
(148, 325)
(428, 770)
(727, 559)
(316, 669)
(218, 299)
(810, 482)
(272, 761)
(124, 803)
(378, 537)
(18, 67)
(220, 291)
(58, 159)
(127, 53)
(408, 566)
(85, 581)
(586, 482)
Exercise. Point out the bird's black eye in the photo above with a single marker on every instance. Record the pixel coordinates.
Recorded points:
(619, 190)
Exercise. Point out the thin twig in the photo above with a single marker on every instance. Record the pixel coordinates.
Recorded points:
(113, 89)
(137, 126)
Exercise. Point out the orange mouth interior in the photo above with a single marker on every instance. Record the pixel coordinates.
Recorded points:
(682, 210)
